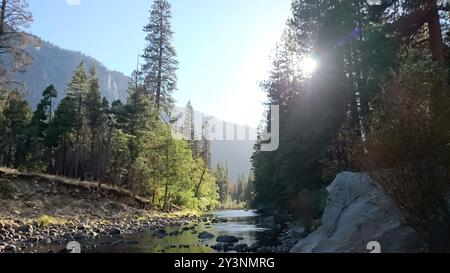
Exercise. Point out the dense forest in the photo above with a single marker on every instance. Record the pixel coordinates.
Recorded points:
(377, 102)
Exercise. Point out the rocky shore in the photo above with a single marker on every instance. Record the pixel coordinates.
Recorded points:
(22, 236)
(45, 210)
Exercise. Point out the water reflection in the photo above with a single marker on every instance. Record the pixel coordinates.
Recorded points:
(242, 224)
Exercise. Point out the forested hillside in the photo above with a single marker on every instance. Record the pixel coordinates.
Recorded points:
(362, 86)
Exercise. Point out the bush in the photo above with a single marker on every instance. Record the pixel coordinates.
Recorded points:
(308, 206)
(46, 221)
(7, 190)
(408, 151)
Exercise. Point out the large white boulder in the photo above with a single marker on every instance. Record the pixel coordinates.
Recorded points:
(359, 212)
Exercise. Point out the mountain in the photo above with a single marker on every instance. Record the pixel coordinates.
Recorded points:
(54, 65)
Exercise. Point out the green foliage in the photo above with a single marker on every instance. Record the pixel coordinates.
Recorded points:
(407, 146)
(159, 68)
(222, 181)
(126, 145)
(46, 221)
(325, 116)
(39, 132)
(15, 118)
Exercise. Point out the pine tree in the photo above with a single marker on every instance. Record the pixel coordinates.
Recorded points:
(40, 152)
(189, 129)
(16, 119)
(61, 133)
(159, 56)
(77, 91)
(96, 120)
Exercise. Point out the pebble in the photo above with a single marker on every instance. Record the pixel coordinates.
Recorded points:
(79, 236)
(31, 240)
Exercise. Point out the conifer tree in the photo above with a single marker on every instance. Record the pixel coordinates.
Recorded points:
(160, 64)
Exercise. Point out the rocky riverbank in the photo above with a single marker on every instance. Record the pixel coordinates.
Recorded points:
(360, 215)
(45, 210)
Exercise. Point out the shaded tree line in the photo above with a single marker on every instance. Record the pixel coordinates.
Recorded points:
(378, 102)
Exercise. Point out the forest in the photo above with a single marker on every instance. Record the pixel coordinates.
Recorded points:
(377, 102)
(362, 86)
(126, 144)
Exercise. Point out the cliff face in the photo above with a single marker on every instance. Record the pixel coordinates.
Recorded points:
(54, 65)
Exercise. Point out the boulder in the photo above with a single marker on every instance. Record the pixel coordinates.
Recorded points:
(298, 232)
(205, 235)
(160, 233)
(227, 239)
(359, 212)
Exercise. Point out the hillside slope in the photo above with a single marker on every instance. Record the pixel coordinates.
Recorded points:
(54, 65)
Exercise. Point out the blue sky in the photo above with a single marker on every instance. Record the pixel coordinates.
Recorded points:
(223, 46)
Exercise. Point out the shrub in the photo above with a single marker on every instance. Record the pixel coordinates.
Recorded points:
(46, 221)
(407, 147)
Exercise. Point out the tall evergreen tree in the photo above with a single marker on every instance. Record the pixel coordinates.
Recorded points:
(96, 113)
(160, 64)
(39, 141)
(16, 119)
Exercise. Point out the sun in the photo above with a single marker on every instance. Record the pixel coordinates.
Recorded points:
(308, 65)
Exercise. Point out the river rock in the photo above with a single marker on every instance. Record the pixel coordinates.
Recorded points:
(115, 231)
(297, 232)
(26, 228)
(160, 233)
(269, 223)
(31, 240)
(227, 239)
(79, 236)
(205, 235)
(10, 249)
(359, 212)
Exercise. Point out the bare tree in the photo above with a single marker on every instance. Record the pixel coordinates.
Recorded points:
(14, 18)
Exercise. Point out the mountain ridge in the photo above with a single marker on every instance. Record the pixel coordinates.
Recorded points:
(55, 65)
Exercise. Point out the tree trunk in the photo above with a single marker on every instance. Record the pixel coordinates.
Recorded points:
(197, 191)
(2, 17)
(160, 63)
(435, 29)
(166, 195)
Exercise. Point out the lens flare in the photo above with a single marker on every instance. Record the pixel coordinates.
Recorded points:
(308, 65)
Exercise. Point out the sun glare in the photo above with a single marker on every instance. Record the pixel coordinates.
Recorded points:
(308, 65)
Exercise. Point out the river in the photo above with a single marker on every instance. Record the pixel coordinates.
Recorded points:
(242, 224)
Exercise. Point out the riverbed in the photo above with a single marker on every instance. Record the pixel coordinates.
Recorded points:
(241, 224)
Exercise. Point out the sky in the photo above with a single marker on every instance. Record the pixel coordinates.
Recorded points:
(223, 46)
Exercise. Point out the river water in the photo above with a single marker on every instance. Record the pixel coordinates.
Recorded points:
(242, 224)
